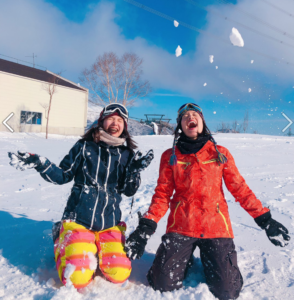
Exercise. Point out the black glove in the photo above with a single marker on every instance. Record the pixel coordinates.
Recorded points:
(139, 162)
(25, 160)
(275, 231)
(136, 243)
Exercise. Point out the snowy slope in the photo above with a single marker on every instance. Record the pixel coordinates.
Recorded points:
(93, 114)
(29, 205)
(136, 128)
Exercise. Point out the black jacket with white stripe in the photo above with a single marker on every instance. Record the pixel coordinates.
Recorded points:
(99, 173)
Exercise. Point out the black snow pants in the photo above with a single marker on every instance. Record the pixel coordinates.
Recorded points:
(218, 257)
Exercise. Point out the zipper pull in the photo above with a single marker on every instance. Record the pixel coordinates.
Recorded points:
(217, 208)
(196, 157)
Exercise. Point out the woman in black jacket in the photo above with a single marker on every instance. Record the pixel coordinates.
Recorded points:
(102, 168)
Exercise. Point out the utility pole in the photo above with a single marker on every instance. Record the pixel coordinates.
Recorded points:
(33, 59)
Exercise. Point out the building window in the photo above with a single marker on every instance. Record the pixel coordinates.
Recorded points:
(29, 117)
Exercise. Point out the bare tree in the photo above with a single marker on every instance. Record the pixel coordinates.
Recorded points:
(45, 106)
(239, 128)
(289, 133)
(112, 79)
(223, 127)
(245, 122)
(235, 127)
(51, 88)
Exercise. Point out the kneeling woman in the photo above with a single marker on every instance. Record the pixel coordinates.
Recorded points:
(102, 169)
(190, 184)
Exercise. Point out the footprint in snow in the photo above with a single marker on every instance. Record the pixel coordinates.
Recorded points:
(278, 187)
(25, 190)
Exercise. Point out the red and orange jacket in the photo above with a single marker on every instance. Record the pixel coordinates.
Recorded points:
(198, 207)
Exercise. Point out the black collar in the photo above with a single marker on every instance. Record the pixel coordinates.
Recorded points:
(189, 146)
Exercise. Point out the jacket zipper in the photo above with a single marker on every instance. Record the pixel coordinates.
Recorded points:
(219, 211)
(97, 199)
(105, 188)
(174, 216)
(210, 161)
(184, 163)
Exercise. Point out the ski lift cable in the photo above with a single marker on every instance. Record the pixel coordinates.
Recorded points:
(214, 36)
(284, 33)
(278, 8)
(239, 24)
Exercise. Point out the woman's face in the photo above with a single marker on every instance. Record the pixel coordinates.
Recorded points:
(114, 125)
(192, 124)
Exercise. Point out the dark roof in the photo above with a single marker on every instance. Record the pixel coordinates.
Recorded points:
(29, 72)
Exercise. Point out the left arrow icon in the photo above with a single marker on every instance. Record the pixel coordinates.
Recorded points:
(6, 120)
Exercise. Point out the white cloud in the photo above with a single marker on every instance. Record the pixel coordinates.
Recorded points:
(36, 26)
(144, 102)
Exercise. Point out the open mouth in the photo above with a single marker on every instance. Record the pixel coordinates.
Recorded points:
(112, 130)
(192, 124)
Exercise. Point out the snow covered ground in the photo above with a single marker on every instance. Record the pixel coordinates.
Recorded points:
(29, 206)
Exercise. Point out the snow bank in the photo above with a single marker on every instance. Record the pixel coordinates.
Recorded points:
(155, 128)
(136, 128)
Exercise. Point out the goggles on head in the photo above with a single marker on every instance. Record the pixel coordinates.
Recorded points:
(186, 107)
(116, 107)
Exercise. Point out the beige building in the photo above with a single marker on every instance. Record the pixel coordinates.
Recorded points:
(24, 91)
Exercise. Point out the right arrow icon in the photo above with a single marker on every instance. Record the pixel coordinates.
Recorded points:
(290, 122)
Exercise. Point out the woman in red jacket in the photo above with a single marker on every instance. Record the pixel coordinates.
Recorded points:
(190, 184)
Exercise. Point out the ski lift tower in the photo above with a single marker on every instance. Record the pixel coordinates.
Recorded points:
(155, 118)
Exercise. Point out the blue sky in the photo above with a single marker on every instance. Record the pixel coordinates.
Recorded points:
(69, 35)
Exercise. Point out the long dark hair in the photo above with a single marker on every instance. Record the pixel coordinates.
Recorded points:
(131, 144)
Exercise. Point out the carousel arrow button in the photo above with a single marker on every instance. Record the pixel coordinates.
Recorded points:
(6, 120)
(290, 122)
